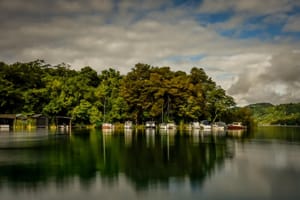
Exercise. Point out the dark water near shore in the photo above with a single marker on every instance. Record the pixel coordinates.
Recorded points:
(89, 164)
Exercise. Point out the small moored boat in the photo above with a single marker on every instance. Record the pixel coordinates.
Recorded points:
(162, 126)
(128, 125)
(171, 125)
(195, 125)
(218, 126)
(204, 125)
(150, 124)
(107, 126)
(236, 126)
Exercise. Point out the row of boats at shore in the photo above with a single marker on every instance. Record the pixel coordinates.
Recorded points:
(203, 125)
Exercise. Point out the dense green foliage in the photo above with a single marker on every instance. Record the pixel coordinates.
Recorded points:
(283, 114)
(241, 114)
(145, 93)
(164, 95)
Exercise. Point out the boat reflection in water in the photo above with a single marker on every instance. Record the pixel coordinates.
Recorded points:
(107, 131)
(128, 136)
(150, 136)
(167, 131)
(236, 133)
(194, 132)
(218, 132)
(206, 132)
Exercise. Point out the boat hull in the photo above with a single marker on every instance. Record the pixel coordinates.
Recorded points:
(236, 127)
(107, 126)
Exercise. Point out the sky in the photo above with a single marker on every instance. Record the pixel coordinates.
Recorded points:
(249, 47)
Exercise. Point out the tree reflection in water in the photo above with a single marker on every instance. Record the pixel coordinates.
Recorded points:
(147, 159)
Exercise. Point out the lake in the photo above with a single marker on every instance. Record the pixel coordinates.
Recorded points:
(90, 164)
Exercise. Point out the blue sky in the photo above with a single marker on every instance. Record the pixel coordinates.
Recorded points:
(249, 47)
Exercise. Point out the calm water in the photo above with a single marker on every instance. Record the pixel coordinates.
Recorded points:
(89, 164)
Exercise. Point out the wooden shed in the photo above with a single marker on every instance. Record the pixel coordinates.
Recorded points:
(63, 122)
(9, 121)
(41, 121)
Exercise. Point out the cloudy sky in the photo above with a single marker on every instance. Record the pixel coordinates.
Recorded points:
(249, 47)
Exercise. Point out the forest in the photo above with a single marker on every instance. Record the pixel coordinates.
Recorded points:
(144, 93)
(269, 114)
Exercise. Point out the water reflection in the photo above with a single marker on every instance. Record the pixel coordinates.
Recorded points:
(148, 162)
(219, 133)
(278, 133)
(236, 133)
(145, 159)
(150, 137)
(128, 136)
(168, 131)
(108, 131)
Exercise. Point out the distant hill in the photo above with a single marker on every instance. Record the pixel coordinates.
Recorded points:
(284, 114)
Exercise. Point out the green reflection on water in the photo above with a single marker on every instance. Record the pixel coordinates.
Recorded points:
(278, 133)
(34, 159)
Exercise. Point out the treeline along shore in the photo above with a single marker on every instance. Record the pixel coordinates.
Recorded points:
(90, 98)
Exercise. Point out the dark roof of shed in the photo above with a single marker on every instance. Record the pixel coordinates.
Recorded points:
(37, 115)
(8, 116)
(62, 117)
(13, 116)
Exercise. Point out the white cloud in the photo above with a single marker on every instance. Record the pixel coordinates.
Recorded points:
(56, 6)
(278, 83)
(101, 34)
(239, 62)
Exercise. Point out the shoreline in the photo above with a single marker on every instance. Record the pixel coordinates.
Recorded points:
(278, 125)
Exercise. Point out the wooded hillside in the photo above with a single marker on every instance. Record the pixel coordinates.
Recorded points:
(283, 114)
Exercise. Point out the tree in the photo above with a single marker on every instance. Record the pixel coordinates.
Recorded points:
(81, 112)
(90, 76)
(218, 102)
(108, 96)
(134, 91)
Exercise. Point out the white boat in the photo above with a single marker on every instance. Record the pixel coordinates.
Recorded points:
(4, 126)
(195, 125)
(128, 125)
(150, 124)
(218, 126)
(63, 126)
(163, 126)
(171, 125)
(204, 125)
(107, 126)
(166, 126)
